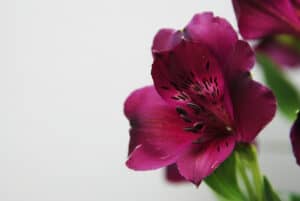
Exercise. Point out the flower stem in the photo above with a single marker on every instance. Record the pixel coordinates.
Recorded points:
(257, 176)
(245, 179)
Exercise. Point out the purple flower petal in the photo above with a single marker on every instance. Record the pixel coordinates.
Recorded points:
(295, 138)
(202, 160)
(257, 18)
(241, 60)
(254, 107)
(282, 54)
(214, 32)
(173, 175)
(189, 73)
(157, 135)
(166, 39)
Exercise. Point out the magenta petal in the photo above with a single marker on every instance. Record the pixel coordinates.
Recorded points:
(295, 138)
(190, 73)
(257, 18)
(254, 106)
(142, 158)
(201, 160)
(214, 32)
(173, 175)
(166, 39)
(282, 54)
(157, 133)
(241, 60)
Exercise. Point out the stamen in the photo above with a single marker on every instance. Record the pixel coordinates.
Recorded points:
(198, 125)
(228, 128)
(190, 129)
(179, 110)
(185, 118)
(195, 107)
(195, 128)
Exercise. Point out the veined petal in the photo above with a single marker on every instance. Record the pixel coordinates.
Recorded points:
(241, 60)
(295, 138)
(254, 106)
(202, 159)
(257, 18)
(166, 39)
(217, 34)
(190, 73)
(157, 132)
(214, 32)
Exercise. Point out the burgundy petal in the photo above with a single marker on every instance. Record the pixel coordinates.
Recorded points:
(295, 138)
(254, 106)
(173, 175)
(190, 73)
(157, 133)
(166, 39)
(241, 60)
(202, 159)
(296, 3)
(282, 54)
(257, 18)
(214, 32)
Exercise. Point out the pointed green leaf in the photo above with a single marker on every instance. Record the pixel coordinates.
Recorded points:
(294, 197)
(224, 181)
(270, 194)
(287, 95)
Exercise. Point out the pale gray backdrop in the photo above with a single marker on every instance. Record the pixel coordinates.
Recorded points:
(66, 68)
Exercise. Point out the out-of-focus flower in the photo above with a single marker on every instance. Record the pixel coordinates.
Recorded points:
(261, 18)
(283, 53)
(202, 103)
(295, 138)
(276, 23)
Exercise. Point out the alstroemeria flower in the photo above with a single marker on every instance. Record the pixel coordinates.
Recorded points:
(267, 20)
(295, 138)
(286, 55)
(203, 101)
(261, 18)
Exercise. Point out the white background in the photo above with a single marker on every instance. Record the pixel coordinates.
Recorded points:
(66, 68)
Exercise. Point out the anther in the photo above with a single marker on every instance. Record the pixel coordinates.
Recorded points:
(195, 107)
(190, 129)
(179, 110)
(228, 128)
(198, 125)
(185, 118)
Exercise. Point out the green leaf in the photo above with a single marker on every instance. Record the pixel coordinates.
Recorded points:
(294, 197)
(270, 194)
(248, 162)
(287, 95)
(224, 181)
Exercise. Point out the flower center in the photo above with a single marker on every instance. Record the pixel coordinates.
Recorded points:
(200, 121)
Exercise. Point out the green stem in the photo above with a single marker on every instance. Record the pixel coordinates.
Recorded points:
(257, 177)
(246, 181)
